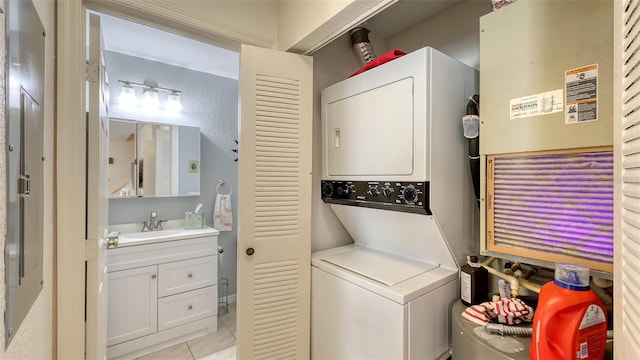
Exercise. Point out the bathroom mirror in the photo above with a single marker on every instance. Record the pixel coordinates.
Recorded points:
(153, 160)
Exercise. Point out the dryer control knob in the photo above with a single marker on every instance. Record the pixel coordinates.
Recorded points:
(387, 191)
(327, 189)
(410, 194)
(373, 191)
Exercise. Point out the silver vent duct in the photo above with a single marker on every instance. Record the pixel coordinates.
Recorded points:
(361, 45)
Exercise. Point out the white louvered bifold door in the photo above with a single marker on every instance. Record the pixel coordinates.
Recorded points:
(627, 186)
(274, 199)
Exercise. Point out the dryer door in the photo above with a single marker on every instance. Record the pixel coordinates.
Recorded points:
(371, 133)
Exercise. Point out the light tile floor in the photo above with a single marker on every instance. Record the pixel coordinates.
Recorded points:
(220, 345)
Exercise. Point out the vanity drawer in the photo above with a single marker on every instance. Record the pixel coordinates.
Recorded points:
(163, 252)
(180, 276)
(186, 307)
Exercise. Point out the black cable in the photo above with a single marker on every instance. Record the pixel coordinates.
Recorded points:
(473, 108)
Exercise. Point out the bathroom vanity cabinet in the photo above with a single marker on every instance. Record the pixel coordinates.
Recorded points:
(161, 294)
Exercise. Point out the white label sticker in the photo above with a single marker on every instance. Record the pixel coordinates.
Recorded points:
(465, 287)
(593, 316)
(584, 351)
(581, 90)
(533, 105)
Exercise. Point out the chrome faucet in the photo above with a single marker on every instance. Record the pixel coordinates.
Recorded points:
(153, 223)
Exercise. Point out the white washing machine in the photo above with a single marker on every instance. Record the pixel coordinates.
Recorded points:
(385, 306)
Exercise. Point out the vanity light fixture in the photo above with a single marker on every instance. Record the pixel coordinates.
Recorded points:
(173, 102)
(127, 96)
(150, 93)
(150, 98)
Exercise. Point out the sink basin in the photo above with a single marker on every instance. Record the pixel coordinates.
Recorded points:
(130, 234)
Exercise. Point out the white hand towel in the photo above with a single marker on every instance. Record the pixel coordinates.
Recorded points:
(222, 215)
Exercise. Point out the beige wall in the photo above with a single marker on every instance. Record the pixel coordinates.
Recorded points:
(304, 26)
(225, 22)
(287, 25)
(332, 63)
(455, 32)
(297, 19)
(34, 339)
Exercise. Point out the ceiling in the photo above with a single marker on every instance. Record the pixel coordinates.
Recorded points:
(162, 46)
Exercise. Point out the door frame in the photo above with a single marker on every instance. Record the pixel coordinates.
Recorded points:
(71, 163)
(70, 180)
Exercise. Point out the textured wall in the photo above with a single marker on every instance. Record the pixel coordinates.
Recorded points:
(210, 102)
(34, 339)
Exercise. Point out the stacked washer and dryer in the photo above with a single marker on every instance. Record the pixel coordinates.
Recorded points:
(395, 172)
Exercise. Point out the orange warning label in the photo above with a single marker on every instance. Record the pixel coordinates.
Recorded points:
(582, 69)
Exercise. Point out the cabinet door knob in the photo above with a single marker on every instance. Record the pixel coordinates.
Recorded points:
(190, 275)
(154, 276)
(250, 251)
(190, 307)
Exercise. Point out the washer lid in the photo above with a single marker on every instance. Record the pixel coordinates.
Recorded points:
(383, 267)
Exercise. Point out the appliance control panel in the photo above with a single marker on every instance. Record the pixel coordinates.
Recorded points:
(387, 195)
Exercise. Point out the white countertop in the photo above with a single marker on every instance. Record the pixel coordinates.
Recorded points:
(131, 234)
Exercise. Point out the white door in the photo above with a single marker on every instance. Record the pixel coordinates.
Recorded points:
(274, 204)
(97, 195)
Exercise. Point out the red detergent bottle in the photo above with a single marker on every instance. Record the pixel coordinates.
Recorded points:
(570, 321)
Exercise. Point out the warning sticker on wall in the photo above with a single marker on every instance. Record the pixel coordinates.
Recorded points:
(581, 89)
(533, 105)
